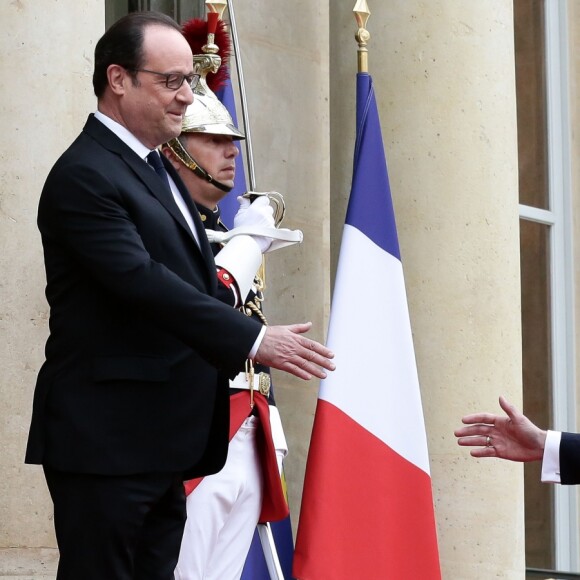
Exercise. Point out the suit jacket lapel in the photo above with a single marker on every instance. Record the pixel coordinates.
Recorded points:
(200, 229)
(156, 186)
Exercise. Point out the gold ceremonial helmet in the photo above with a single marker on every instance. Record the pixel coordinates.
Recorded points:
(206, 114)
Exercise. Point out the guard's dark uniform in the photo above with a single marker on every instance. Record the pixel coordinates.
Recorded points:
(226, 500)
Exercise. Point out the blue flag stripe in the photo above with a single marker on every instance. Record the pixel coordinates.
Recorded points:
(370, 208)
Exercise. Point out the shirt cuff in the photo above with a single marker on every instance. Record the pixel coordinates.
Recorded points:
(551, 459)
(257, 344)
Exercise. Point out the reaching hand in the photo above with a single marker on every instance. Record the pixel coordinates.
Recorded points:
(513, 437)
(256, 213)
(284, 348)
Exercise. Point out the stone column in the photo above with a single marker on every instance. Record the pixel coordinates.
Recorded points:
(47, 60)
(285, 59)
(445, 83)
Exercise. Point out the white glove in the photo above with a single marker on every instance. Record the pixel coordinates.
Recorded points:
(256, 213)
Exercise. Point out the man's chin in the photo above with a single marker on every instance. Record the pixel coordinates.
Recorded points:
(174, 124)
(228, 182)
(171, 132)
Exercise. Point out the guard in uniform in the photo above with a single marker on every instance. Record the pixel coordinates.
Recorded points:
(223, 509)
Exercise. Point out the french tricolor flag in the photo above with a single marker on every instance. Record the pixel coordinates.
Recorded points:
(367, 506)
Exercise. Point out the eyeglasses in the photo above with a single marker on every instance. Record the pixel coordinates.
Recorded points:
(173, 81)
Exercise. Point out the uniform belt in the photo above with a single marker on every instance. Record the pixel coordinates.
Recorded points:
(261, 383)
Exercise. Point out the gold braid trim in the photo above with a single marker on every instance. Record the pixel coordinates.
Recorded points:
(252, 308)
(255, 306)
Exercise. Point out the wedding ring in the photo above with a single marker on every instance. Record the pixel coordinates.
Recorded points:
(488, 441)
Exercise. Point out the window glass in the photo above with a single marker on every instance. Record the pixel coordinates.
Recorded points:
(180, 10)
(530, 56)
(531, 102)
(537, 384)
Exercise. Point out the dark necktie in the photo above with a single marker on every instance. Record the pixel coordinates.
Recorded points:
(155, 161)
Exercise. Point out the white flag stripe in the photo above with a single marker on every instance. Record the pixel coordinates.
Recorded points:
(375, 381)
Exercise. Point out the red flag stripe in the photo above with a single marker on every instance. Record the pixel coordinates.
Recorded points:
(376, 510)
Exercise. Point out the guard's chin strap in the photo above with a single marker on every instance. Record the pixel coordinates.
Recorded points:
(177, 146)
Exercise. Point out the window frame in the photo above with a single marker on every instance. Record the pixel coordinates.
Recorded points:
(559, 219)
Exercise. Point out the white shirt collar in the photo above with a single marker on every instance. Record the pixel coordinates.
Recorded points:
(124, 134)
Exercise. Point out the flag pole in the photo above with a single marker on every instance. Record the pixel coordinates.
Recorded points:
(362, 13)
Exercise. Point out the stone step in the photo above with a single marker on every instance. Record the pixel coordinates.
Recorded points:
(28, 563)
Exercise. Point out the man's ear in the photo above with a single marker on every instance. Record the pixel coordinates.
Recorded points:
(173, 159)
(116, 75)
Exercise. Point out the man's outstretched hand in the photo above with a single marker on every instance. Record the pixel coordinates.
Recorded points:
(512, 437)
(285, 348)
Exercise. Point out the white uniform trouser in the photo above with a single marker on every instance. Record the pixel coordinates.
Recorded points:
(222, 513)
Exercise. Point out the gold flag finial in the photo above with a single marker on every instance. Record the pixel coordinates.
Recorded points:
(362, 13)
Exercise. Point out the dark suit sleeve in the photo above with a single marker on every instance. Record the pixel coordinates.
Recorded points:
(109, 231)
(570, 458)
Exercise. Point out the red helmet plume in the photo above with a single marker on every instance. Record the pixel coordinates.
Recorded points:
(195, 32)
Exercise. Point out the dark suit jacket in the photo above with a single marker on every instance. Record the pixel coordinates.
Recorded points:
(570, 458)
(130, 383)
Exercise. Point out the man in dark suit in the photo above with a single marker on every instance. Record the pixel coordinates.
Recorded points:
(129, 401)
(516, 438)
